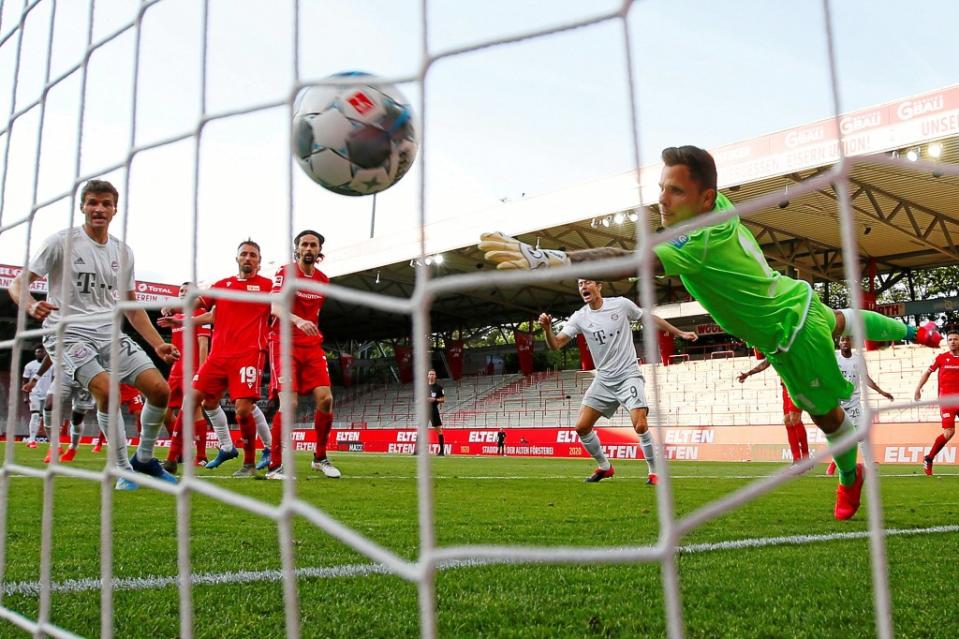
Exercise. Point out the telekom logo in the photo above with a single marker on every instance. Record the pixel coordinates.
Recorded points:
(360, 102)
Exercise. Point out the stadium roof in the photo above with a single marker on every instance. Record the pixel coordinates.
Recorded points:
(906, 217)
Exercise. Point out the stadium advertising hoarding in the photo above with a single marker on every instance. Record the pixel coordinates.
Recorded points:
(893, 443)
(145, 291)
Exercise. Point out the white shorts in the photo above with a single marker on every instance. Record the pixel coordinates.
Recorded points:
(73, 397)
(854, 411)
(36, 403)
(85, 358)
(606, 397)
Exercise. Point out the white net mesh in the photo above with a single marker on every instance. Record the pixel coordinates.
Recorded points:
(121, 148)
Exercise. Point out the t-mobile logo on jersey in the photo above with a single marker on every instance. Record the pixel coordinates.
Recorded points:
(600, 336)
(86, 282)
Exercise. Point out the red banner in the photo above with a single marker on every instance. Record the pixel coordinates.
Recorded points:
(404, 361)
(454, 358)
(346, 367)
(524, 348)
(585, 357)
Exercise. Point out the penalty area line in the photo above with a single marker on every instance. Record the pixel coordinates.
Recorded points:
(32, 588)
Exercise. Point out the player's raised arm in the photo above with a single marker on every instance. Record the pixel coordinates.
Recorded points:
(553, 341)
(663, 325)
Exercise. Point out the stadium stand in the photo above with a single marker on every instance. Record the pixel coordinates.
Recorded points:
(698, 392)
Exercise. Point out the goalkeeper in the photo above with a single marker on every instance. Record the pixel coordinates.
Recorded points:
(723, 267)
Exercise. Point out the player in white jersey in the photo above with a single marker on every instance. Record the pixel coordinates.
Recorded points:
(84, 285)
(849, 367)
(35, 389)
(73, 399)
(607, 326)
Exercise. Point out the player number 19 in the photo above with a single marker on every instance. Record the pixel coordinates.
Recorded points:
(248, 375)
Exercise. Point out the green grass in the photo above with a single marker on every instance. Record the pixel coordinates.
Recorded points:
(815, 590)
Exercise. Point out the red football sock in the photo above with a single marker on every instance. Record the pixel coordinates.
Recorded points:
(936, 447)
(276, 447)
(248, 431)
(199, 437)
(802, 440)
(793, 444)
(176, 439)
(322, 422)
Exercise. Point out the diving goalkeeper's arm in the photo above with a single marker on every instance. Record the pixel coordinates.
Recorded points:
(509, 253)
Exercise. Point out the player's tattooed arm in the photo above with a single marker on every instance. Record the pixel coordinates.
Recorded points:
(758, 368)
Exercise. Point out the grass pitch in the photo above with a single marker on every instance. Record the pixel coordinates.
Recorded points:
(818, 588)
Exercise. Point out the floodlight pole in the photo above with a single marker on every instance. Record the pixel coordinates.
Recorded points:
(373, 217)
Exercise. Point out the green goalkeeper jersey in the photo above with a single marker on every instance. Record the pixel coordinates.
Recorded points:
(723, 267)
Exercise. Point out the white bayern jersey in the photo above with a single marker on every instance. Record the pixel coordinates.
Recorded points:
(40, 389)
(94, 279)
(849, 366)
(609, 336)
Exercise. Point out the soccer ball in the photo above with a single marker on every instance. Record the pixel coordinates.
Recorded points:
(354, 139)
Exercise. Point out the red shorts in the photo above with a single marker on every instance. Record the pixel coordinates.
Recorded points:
(134, 405)
(239, 375)
(131, 398)
(309, 369)
(948, 415)
(788, 406)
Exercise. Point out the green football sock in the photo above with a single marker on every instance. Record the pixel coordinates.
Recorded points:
(846, 460)
(880, 328)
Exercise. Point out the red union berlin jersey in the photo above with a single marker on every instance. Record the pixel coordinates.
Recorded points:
(177, 340)
(306, 304)
(239, 328)
(948, 366)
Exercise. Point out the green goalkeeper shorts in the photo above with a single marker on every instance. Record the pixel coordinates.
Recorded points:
(809, 369)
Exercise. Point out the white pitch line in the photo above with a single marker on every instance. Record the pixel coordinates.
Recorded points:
(32, 588)
(312, 477)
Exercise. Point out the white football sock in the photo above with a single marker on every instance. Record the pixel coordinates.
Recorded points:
(151, 418)
(591, 442)
(649, 451)
(220, 426)
(117, 444)
(262, 428)
(34, 426)
(75, 431)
